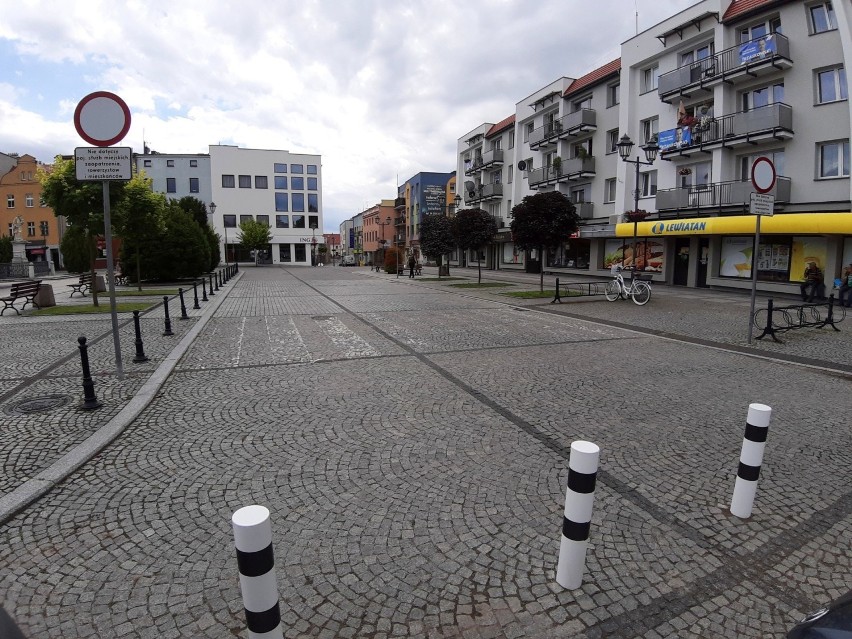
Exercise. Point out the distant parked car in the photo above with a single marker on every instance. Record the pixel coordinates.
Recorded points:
(347, 260)
(832, 622)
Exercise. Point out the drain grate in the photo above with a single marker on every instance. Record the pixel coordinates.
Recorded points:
(36, 404)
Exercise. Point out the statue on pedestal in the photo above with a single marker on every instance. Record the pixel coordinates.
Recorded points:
(17, 225)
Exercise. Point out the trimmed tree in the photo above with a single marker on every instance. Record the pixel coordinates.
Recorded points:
(142, 229)
(5, 249)
(436, 238)
(198, 210)
(541, 221)
(255, 236)
(474, 229)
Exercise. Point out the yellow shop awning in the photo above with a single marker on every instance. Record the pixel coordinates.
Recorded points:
(790, 223)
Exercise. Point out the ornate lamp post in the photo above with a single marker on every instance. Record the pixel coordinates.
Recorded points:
(625, 148)
(212, 208)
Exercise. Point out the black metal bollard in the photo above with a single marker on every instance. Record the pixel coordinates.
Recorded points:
(216, 279)
(203, 289)
(183, 314)
(89, 400)
(556, 296)
(211, 285)
(195, 295)
(225, 275)
(140, 348)
(168, 330)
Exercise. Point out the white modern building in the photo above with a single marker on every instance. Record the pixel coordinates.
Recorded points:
(278, 188)
(716, 87)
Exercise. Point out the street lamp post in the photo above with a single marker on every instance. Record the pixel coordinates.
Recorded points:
(625, 148)
(313, 244)
(383, 225)
(212, 208)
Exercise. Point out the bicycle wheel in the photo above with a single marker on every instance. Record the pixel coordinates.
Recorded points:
(641, 293)
(613, 290)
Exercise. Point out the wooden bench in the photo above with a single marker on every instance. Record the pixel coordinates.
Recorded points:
(19, 290)
(83, 285)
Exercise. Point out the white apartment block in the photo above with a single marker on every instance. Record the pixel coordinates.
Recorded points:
(716, 87)
(278, 188)
(177, 175)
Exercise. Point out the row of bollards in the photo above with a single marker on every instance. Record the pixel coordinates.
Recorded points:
(582, 477)
(90, 400)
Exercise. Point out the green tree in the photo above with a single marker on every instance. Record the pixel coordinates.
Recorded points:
(436, 238)
(322, 250)
(5, 249)
(142, 213)
(76, 247)
(474, 229)
(394, 257)
(543, 220)
(255, 236)
(182, 252)
(198, 210)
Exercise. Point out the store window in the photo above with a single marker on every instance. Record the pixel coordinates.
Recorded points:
(301, 253)
(284, 252)
(572, 254)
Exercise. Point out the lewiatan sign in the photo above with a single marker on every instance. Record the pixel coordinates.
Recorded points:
(790, 223)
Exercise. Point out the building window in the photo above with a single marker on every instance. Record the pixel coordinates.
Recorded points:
(649, 78)
(228, 182)
(297, 183)
(582, 103)
(833, 159)
(609, 190)
(280, 168)
(45, 228)
(263, 219)
(298, 202)
(312, 169)
(282, 221)
(296, 168)
(700, 53)
(313, 203)
(528, 131)
(298, 221)
(746, 162)
(146, 162)
(313, 221)
(822, 17)
(170, 163)
(613, 94)
(246, 218)
(510, 174)
(171, 185)
(229, 221)
(30, 229)
(245, 181)
(497, 144)
(261, 182)
(763, 96)
(301, 253)
(193, 185)
(10, 201)
(284, 251)
(831, 85)
(193, 163)
(612, 141)
(280, 181)
(281, 202)
(760, 30)
(650, 128)
(649, 184)
(312, 184)
(580, 149)
(29, 201)
(496, 176)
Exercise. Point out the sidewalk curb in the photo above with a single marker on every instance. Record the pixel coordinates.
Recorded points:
(21, 497)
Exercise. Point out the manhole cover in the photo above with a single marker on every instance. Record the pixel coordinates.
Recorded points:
(37, 404)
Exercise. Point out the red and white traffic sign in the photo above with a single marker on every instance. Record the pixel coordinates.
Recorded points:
(102, 118)
(763, 175)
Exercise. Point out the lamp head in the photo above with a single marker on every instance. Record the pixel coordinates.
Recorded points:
(212, 208)
(651, 150)
(624, 146)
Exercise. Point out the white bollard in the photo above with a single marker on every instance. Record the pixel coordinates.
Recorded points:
(253, 540)
(579, 499)
(751, 457)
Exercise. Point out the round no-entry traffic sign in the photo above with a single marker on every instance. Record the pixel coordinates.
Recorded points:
(102, 118)
(763, 175)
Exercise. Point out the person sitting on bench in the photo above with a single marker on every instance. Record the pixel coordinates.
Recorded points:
(813, 280)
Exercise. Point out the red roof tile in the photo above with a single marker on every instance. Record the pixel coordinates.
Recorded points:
(595, 76)
(502, 125)
(738, 8)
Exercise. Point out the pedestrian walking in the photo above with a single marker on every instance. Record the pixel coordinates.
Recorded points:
(411, 264)
(813, 279)
(844, 297)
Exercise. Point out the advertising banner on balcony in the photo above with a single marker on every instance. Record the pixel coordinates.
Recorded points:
(756, 49)
(674, 138)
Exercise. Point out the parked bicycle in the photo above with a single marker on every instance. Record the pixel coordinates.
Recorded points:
(638, 290)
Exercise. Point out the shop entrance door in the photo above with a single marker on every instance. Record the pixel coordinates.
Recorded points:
(681, 265)
(703, 255)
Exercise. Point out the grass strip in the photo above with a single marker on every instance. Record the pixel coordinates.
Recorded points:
(158, 292)
(88, 309)
(535, 295)
(439, 279)
(483, 285)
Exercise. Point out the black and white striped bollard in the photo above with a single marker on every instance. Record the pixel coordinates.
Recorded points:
(253, 540)
(751, 457)
(579, 499)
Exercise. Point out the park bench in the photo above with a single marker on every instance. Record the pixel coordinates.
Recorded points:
(21, 290)
(779, 319)
(83, 285)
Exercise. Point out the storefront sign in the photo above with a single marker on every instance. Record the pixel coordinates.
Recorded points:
(792, 223)
(503, 236)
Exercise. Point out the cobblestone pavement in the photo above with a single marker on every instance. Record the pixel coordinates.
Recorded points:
(412, 446)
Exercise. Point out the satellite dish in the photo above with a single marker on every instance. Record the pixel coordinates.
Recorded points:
(522, 166)
(469, 185)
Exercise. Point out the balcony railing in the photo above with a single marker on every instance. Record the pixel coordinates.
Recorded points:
(585, 210)
(573, 169)
(473, 167)
(577, 123)
(770, 122)
(485, 192)
(399, 203)
(544, 135)
(745, 60)
(718, 195)
(492, 158)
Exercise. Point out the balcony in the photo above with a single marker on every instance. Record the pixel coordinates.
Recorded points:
(492, 159)
(585, 210)
(485, 192)
(544, 136)
(399, 203)
(736, 64)
(573, 169)
(716, 195)
(473, 167)
(578, 123)
(767, 123)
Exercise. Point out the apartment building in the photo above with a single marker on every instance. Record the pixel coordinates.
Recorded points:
(419, 195)
(176, 175)
(714, 87)
(278, 188)
(378, 220)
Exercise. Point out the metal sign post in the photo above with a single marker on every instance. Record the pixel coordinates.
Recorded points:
(102, 119)
(763, 180)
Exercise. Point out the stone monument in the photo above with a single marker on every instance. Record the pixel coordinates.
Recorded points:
(19, 253)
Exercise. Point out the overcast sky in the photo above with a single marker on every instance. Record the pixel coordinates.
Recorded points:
(381, 89)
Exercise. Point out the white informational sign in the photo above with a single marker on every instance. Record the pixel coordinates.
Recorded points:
(762, 204)
(94, 163)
